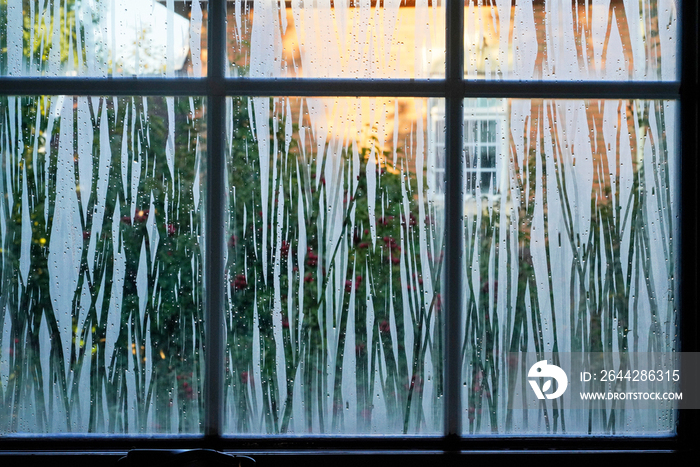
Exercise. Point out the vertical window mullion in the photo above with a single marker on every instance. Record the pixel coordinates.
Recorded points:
(454, 212)
(688, 426)
(214, 226)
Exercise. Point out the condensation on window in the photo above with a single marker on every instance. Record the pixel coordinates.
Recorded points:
(103, 38)
(101, 264)
(334, 260)
(334, 218)
(576, 252)
(610, 39)
(337, 39)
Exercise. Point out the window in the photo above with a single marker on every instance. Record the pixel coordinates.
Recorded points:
(227, 223)
(485, 137)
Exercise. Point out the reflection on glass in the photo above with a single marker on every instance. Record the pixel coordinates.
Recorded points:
(101, 264)
(612, 40)
(335, 234)
(102, 38)
(336, 39)
(572, 251)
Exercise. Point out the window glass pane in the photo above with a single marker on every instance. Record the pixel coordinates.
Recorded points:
(574, 252)
(588, 40)
(335, 239)
(101, 268)
(102, 38)
(486, 177)
(491, 133)
(336, 39)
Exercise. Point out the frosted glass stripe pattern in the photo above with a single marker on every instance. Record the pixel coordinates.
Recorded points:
(101, 263)
(100, 38)
(615, 40)
(335, 235)
(574, 250)
(336, 39)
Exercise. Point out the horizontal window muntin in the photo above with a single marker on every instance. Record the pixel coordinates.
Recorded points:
(340, 87)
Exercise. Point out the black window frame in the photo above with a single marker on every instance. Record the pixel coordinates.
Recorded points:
(452, 447)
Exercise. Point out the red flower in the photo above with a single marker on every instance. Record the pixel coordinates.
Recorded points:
(395, 260)
(348, 286)
(86, 235)
(391, 243)
(171, 229)
(285, 249)
(411, 220)
(240, 282)
(232, 241)
(312, 258)
(363, 245)
(312, 261)
(485, 287)
(360, 349)
(244, 377)
(308, 278)
(126, 220)
(384, 326)
(285, 323)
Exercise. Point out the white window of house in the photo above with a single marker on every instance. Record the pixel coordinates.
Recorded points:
(485, 135)
(485, 143)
